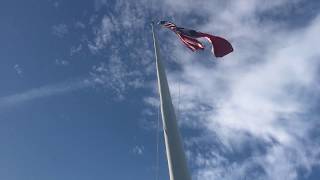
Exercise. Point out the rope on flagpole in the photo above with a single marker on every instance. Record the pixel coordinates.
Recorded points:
(179, 112)
(157, 141)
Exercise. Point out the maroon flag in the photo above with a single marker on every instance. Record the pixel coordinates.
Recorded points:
(220, 46)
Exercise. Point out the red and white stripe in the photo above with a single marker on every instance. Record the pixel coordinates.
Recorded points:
(170, 25)
(191, 43)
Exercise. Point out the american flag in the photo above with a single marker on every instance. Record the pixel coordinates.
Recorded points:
(220, 46)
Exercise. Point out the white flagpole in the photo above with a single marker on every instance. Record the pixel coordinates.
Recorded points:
(178, 169)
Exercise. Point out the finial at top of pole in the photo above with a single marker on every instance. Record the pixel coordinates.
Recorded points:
(152, 23)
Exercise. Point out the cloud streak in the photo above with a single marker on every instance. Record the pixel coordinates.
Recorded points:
(42, 92)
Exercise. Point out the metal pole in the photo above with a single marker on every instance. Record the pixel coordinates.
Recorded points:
(177, 163)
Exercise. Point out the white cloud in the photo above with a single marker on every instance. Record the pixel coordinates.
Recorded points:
(104, 34)
(18, 69)
(152, 101)
(80, 25)
(130, 56)
(62, 62)
(138, 150)
(117, 76)
(118, 29)
(264, 100)
(75, 49)
(60, 30)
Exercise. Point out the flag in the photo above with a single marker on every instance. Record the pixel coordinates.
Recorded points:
(220, 46)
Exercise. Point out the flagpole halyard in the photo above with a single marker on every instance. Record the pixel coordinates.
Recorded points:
(176, 158)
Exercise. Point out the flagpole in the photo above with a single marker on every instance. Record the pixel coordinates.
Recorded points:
(177, 164)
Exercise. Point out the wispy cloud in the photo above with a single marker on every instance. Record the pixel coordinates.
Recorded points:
(79, 25)
(118, 36)
(75, 49)
(18, 69)
(61, 62)
(60, 30)
(44, 91)
(117, 76)
(138, 150)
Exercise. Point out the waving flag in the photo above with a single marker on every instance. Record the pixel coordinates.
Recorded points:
(220, 46)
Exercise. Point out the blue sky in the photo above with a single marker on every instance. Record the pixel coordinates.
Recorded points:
(78, 98)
